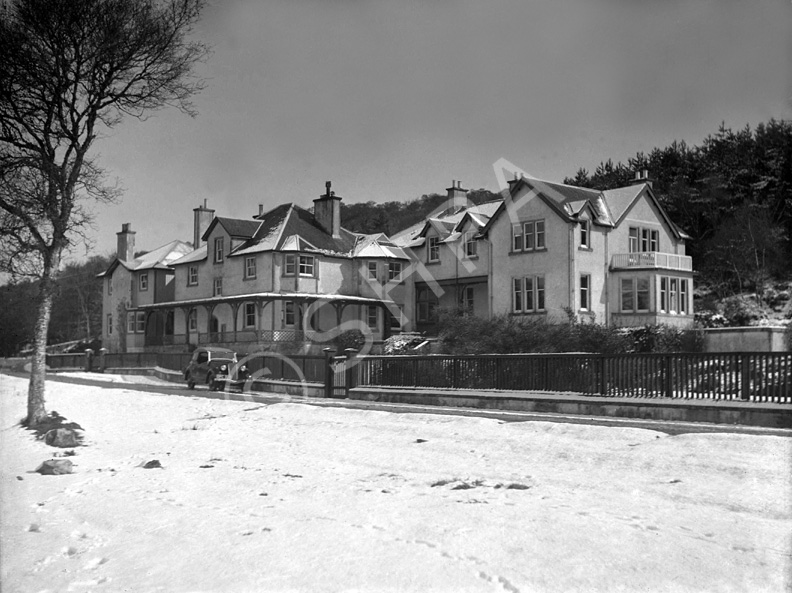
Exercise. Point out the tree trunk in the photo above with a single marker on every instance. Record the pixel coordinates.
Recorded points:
(36, 410)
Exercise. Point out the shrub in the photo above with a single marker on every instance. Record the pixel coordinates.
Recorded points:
(401, 344)
(352, 338)
(504, 334)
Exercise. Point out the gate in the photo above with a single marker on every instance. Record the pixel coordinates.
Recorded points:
(340, 375)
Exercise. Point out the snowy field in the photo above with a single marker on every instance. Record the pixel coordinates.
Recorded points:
(289, 497)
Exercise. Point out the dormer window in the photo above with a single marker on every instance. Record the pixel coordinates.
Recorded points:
(585, 233)
(433, 249)
(471, 245)
(218, 250)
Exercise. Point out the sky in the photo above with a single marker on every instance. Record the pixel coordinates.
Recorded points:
(392, 99)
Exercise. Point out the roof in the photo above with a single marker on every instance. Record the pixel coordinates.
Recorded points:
(239, 228)
(269, 295)
(292, 228)
(448, 225)
(194, 256)
(160, 258)
(378, 246)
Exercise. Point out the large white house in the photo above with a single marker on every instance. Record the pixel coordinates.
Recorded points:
(289, 277)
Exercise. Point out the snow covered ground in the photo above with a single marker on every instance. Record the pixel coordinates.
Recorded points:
(289, 497)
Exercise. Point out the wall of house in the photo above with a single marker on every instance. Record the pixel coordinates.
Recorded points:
(591, 261)
(234, 281)
(553, 263)
(121, 280)
(645, 214)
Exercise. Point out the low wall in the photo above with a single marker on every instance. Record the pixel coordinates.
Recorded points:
(744, 339)
(708, 411)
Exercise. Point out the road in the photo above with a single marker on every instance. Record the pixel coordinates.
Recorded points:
(671, 428)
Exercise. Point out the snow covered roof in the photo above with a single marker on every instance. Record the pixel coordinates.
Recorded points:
(269, 295)
(160, 258)
(194, 256)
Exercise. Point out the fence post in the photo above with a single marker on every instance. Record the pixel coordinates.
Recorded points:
(603, 386)
(328, 352)
(668, 375)
(745, 375)
(350, 370)
(89, 360)
(102, 363)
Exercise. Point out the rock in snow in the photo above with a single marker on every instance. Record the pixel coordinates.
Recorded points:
(62, 437)
(55, 467)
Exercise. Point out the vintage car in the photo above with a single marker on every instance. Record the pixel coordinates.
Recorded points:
(216, 367)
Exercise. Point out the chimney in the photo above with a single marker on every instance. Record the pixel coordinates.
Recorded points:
(456, 190)
(202, 218)
(327, 212)
(126, 243)
(642, 176)
(261, 210)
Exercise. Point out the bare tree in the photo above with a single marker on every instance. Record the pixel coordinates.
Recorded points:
(71, 70)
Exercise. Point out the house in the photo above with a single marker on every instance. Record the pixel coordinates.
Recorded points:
(286, 278)
(548, 249)
(131, 283)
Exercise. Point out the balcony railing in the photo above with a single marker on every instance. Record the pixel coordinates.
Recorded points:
(652, 259)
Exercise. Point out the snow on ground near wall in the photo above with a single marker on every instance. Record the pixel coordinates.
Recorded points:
(290, 497)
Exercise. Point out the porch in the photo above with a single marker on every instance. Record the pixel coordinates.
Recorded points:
(259, 321)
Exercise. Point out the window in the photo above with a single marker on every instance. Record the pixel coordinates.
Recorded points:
(517, 295)
(427, 304)
(218, 287)
(433, 252)
(585, 292)
(143, 281)
(250, 267)
(109, 323)
(585, 231)
(372, 270)
(289, 315)
(471, 245)
(466, 298)
(528, 294)
(394, 271)
(634, 295)
(528, 236)
(218, 250)
(250, 315)
(192, 321)
(306, 265)
(683, 295)
(674, 295)
(290, 265)
(192, 276)
(395, 322)
(140, 325)
(642, 240)
(109, 286)
(372, 316)
(131, 322)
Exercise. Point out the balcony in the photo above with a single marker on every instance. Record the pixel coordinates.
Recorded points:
(651, 260)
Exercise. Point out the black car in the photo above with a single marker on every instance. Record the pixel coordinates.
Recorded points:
(215, 367)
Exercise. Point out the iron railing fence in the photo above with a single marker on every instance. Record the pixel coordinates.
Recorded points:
(748, 376)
